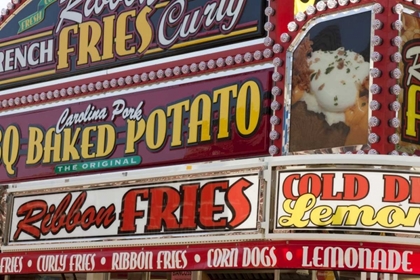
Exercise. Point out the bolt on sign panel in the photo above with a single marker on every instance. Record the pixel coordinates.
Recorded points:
(408, 125)
(188, 122)
(50, 38)
(213, 205)
(328, 96)
(361, 201)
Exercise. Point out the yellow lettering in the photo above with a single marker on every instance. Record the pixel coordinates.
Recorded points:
(200, 116)
(90, 34)
(52, 145)
(412, 116)
(121, 36)
(224, 111)
(106, 140)
(176, 112)
(321, 215)
(63, 46)
(409, 220)
(350, 215)
(108, 44)
(11, 145)
(35, 147)
(297, 212)
(144, 29)
(86, 144)
(394, 216)
(248, 108)
(156, 129)
(69, 144)
(135, 131)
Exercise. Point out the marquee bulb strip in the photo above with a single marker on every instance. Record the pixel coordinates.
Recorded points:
(145, 77)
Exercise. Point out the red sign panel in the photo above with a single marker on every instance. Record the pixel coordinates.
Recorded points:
(215, 119)
(249, 255)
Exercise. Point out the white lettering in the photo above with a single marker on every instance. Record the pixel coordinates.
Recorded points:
(93, 8)
(33, 54)
(130, 113)
(188, 23)
(132, 261)
(172, 260)
(259, 257)
(90, 114)
(51, 263)
(11, 265)
(82, 262)
(362, 258)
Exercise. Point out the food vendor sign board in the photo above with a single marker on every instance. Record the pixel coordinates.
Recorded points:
(50, 38)
(328, 93)
(214, 205)
(409, 129)
(332, 199)
(313, 255)
(187, 122)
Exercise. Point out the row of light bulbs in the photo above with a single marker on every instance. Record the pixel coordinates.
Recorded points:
(277, 77)
(137, 78)
(9, 8)
(395, 74)
(375, 72)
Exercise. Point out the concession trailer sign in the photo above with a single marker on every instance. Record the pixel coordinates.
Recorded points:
(217, 204)
(239, 255)
(213, 119)
(62, 38)
(409, 130)
(349, 199)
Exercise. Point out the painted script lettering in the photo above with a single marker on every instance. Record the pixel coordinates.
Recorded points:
(411, 85)
(310, 201)
(96, 42)
(222, 204)
(79, 135)
(65, 215)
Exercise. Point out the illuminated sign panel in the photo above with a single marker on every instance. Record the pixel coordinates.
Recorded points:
(206, 120)
(101, 34)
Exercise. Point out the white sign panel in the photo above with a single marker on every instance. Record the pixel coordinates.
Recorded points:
(218, 204)
(346, 199)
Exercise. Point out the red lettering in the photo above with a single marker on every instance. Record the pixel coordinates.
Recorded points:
(129, 214)
(310, 183)
(163, 203)
(60, 213)
(55, 218)
(288, 186)
(415, 189)
(26, 224)
(328, 188)
(208, 208)
(74, 213)
(356, 187)
(238, 202)
(189, 207)
(396, 188)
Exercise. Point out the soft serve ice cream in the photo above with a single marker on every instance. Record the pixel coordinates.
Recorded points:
(336, 81)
